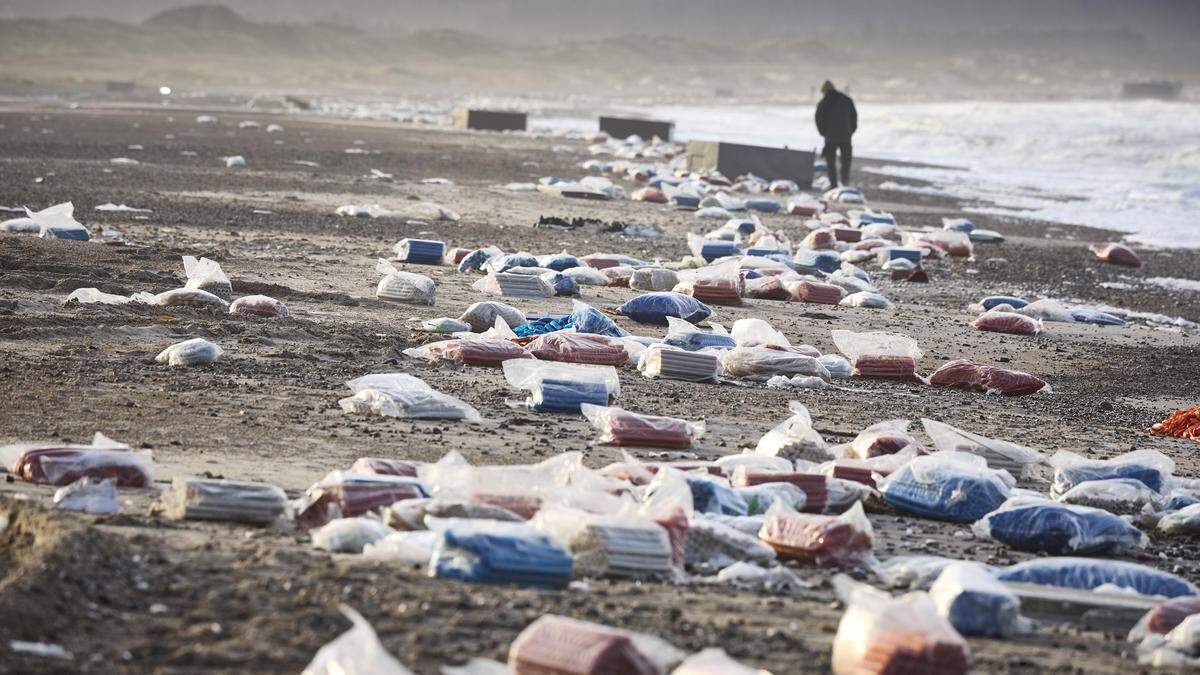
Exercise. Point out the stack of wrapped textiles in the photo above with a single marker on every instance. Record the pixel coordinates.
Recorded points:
(566, 396)
(500, 553)
(713, 290)
(622, 550)
(556, 645)
(523, 286)
(897, 651)
(621, 427)
(840, 540)
(676, 364)
(199, 499)
(342, 495)
(578, 348)
(477, 352)
(965, 374)
(65, 464)
(421, 251)
(811, 291)
(816, 490)
(711, 250)
(952, 486)
(767, 288)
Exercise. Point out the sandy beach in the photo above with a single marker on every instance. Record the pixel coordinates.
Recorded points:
(138, 593)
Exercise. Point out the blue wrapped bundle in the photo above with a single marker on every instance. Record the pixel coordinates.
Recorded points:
(1150, 467)
(764, 205)
(712, 497)
(1179, 500)
(559, 261)
(562, 284)
(711, 250)
(686, 201)
(542, 326)
(993, 300)
(474, 261)
(1088, 573)
(953, 486)
(765, 253)
(421, 251)
(507, 261)
(1095, 316)
(588, 319)
(1048, 527)
(516, 558)
(971, 599)
(809, 262)
(565, 396)
(654, 308)
(699, 340)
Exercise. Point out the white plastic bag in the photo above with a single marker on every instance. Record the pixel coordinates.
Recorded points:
(1115, 495)
(1151, 467)
(402, 395)
(58, 222)
(411, 548)
(756, 332)
(1178, 649)
(399, 286)
(654, 279)
(1048, 309)
(183, 297)
(999, 454)
(355, 652)
(190, 353)
(795, 437)
(588, 276)
(866, 299)
(839, 368)
(482, 315)
(348, 535)
(206, 275)
(90, 495)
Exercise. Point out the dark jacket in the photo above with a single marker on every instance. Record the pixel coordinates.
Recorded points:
(837, 119)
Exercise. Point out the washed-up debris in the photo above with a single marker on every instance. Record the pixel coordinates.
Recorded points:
(123, 161)
(234, 161)
(63, 464)
(562, 387)
(355, 652)
(654, 308)
(348, 535)
(485, 352)
(89, 495)
(184, 297)
(879, 354)
(1007, 322)
(347, 495)
(677, 364)
(258, 306)
(1016, 459)
(1183, 423)
(403, 395)
(224, 500)
(970, 598)
(1125, 496)
(194, 352)
(206, 275)
(1179, 649)
(58, 222)
(1042, 526)
(847, 539)
(621, 545)
(20, 226)
(420, 251)
(1185, 521)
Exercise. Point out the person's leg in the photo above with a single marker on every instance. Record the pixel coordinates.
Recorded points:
(830, 153)
(847, 155)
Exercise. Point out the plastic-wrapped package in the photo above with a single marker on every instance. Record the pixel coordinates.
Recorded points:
(677, 364)
(386, 467)
(578, 348)
(711, 544)
(993, 301)
(86, 296)
(794, 438)
(915, 571)
(714, 286)
(50, 464)
(1016, 459)
(399, 286)
(444, 325)
(1007, 322)
(846, 540)
(756, 332)
(714, 661)
(715, 496)
(864, 470)
(456, 255)
(482, 315)
(969, 597)
(470, 352)
(1047, 309)
(58, 222)
(258, 305)
(1117, 495)
(559, 261)
(1117, 254)
(687, 336)
(879, 354)
(767, 288)
(206, 275)
(761, 363)
(964, 374)
(759, 498)
(20, 226)
(653, 279)
(402, 395)
(503, 262)
(812, 291)
(709, 249)
(602, 260)
(498, 553)
(667, 501)
(649, 194)
(514, 285)
(345, 495)
(879, 634)
(621, 544)
(188, 297)
(562, 387)
(882, 438)
(953, 486)
(1089, 573)
(1151, 467)
(837, 366)
(867, 299)
(192, 352)
(588, 319)
(420, 251)
(1095, 316)
(1165, 617)
(1177, 650)
(89, 495)
(1185, 521)
(224, 500)
(412, 514)
(621, 427)
(563, 285)
(1043, 526)
(618, 276)
(557, 645)
(410, 548)
(348, 535)
(355, 652)
(475, 260)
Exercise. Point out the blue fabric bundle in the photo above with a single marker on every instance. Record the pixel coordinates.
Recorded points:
(654, 308)
(982, 613)
(533, 560)
(1068, 477)
(542, 326)
(765, 252)
(1087, 573)
(993, 300)
(1178, 501)
(421, 251)
(711, 250)
(507, 261)
(697, 340)
(712, 497)
(562, 284)
(565, 396)
(67, 233)
(686, 200)
(827, 261)
(659, 181)
(559, 261)
(1057, 529)
(1088, 315)
(869, 217)
(764, 205)
(911, 254)
(588, 319)
(944, 492)
(473, 261)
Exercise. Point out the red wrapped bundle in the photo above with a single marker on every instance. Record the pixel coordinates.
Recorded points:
(898, 652)
(966, 374)
(386, 467)
(868, 244)
(918, 275)
(477, 352)
(812, 291)
(618, 276)
(63, 465)
(260, 306)
(621, 427)
(819, 239)
(523, 505)
(840, 540)
(556, 645)
(578, 348)
(1116, 254)
(710, 468)
(346, 500)
(455, 255)
(767, 288)
(1007, 322)
(816, 491)
(886, 367)
(858, 474)
(649, 194)
(600, 261)
(847, 234)
(1164, 618)
(713, 290)
(676, 525)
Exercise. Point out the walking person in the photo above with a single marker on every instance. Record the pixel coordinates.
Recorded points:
(837, 120)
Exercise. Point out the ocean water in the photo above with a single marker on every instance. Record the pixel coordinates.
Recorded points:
(1132, 166)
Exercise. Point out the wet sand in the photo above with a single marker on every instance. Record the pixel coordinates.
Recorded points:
(135, 593)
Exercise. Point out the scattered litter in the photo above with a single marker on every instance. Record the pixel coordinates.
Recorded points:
(847, 539)
(1117, 254)
(654, 308)
(420, 251)
(677, 364)
(406, 396)
(499, 553)
(121, 208)
(879, 354)
(224, 500)
(194, 352)
(407, 287)
(59, 464)
(355, 652)
(562, 387)
(89, 495)
(1150, 467)
(258, 305)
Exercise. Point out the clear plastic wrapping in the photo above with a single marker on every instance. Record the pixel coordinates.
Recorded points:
(482, 315)
(355, 652)
(953, 486)
(998, 454)
(573, 347)
(755, 333)
(416, 289)
(190, 353)
(52, 464)
(866, 299)
(654, 308)
(762, 363)
(470, 352)
(402, 395)
(621, 427)
(188, 297)
(882, 438)
(879, 354)
(969, 597)
(1116, 495)
(711, 544)
(89, 495)
(794, 438)
(847, 539)
(226, 500)
(1117, 254)
(1185, 521)
(687, 336)
(1043, 526)
(512, 285)
(346, 495)
(562, 387)
(259, 306)
(965, 374)
(653, 279)
(206, 275)
(498, 553)
(815, 292)
(1150, 467)
(348, 535)
(558, 645)
(58, 222)
(1007, 322)
(676, 364)
(1090, 573)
